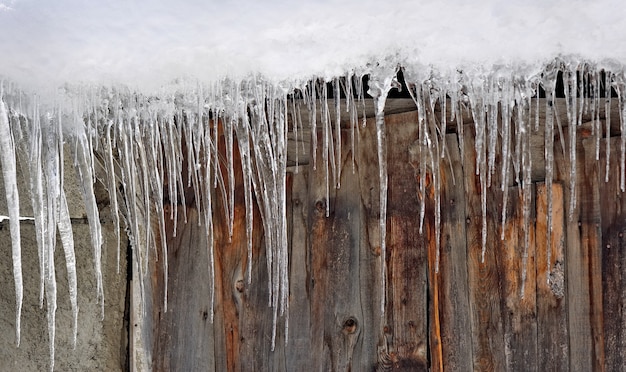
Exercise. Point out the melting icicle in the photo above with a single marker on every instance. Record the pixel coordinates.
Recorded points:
(67, 241)
(83, 159)
(9, 174)
(549, 84)
(570, 86)
(337, 139)
(379, 90)
(607, 125)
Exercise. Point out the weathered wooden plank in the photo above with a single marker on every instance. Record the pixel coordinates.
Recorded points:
(407, 310)
(298, 349)
(248, 324)
(378, 333)
(183, 336)
(335, 255)
(519, 296)
(582, 238)
(454, 307)
(552, 337)
(613, 206)
(484, 280)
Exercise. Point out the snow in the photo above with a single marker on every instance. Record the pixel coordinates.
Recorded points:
(146, 44)
(128, 85)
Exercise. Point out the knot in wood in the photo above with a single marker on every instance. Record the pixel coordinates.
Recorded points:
(350, 325)
(239, 286)
(320, 206)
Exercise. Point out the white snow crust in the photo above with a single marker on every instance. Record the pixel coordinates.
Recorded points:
(145, 44)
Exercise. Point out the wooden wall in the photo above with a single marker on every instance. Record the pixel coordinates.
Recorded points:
(468, 316)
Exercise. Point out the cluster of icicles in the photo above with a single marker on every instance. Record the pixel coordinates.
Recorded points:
(133, 142)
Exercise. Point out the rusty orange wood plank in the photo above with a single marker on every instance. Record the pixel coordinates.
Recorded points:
(552, 341)
(520, 329)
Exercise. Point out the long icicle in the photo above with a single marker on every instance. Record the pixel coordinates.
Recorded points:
(9, 173)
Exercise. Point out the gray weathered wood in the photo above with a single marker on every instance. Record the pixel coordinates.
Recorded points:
(453, 277)
(484, 281)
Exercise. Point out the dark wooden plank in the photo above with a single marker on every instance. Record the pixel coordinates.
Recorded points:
(519, 296)
(613, 206)
(552, 339)
(484, 277)
(454, 307)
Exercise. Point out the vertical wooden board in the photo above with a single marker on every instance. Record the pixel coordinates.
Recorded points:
(454, 307)
(519, 295)
(335, 255)
(578, 238)
(377, 335)
(484, 280)
(407, 302)
(552, 337)
(183, 336)
(613, 206)
(298, 349)
(251, 336)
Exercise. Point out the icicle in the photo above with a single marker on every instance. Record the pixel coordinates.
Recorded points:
(549, 84)
(242, 130)
(83, 158)
(338, 161)
(112, 189)
(54, 191)
(37, 192)
(570, 84)
(479, 108)
(505, 109)
(524, 131)
(435, 172)
(64, 225)
(326, 145)
(51, 302)
(607, 113)
(620, 86)
(379, 90)
(228, 136)
(492, 127)
(9, 174)
(597, 130)
(313, 121)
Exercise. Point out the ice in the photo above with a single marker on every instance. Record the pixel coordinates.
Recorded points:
(380, 84)
(607, 111)
(67, 241)
(9, 174)
(179, 147)
(549, 85)
(571, 86)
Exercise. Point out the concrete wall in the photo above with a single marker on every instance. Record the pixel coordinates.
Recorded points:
(101, 344)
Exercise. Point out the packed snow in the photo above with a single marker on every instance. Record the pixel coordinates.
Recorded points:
(128, 86)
